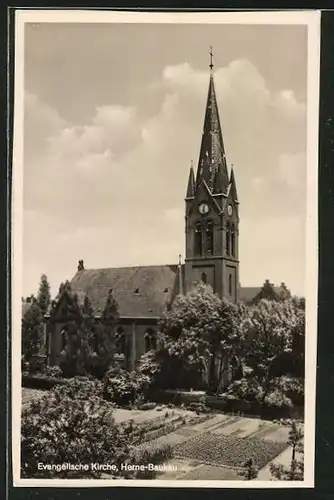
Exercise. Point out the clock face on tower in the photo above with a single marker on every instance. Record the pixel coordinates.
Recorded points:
(230, 210)
(203, 208)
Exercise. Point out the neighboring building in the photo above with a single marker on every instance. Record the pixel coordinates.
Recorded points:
(211, 255)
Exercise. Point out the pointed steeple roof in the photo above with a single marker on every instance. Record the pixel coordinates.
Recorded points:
(191, 184)
(234, 193)
(212, 152)
(219, 181)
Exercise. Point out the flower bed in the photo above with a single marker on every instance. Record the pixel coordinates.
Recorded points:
(171, 426)
(228, 450)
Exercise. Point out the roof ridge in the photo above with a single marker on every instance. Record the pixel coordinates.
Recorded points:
(129, 267)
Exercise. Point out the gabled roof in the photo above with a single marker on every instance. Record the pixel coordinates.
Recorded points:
(253, 294)
(247, 293)
(143, 291)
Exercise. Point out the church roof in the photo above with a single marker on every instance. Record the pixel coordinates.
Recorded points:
(247, 293)
(141, 292)
(252, 294)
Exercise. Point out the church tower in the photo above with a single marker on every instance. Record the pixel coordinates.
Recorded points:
(212, 212)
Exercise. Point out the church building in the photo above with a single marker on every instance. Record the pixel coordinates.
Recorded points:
(212, 215)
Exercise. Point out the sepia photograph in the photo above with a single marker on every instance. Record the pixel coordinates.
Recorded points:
(164, 232)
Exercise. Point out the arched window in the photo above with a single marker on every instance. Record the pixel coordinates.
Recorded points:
(95, 339)
(120, 340)
(63, 335)
(150, 340)
(230, 284)
(198, 239)
(233, 240)
(209, 237)
(203, 277)
(228, 238)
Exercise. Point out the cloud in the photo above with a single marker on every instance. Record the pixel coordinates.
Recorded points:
(113, 188)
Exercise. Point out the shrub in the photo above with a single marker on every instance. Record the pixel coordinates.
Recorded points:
(246, 388)
(53, 371)
(293, 388)
(37, 365)
(81, 388)
(124, 388)
(277, 399)
(25, 366)
(251, 471)
(147, 406)
(70, 424)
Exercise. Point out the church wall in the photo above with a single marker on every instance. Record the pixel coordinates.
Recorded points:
(134, 330)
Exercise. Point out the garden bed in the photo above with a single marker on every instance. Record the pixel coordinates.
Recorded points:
(223, 404)
(155, 430)
(229, 451)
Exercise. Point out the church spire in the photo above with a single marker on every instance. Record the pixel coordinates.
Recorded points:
(234, 193)
(191, 183)
(212, 152)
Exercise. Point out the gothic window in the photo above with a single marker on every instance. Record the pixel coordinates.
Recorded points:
(120, 340)
(228, 238)
(95, 339)
(63, 335)
(209, 237)
(150, 340)
(203, 277)
(233, 240)
(198, 239)
(230, 284)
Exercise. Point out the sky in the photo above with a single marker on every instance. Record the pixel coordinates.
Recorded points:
(113, 118)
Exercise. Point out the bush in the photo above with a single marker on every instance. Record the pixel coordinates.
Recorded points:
(71, 424)
(147, 406)
(277, 399)
(81, 388)
(37, 365)
(124, 388)
(247, 389)
(293, 388)
(53, 372)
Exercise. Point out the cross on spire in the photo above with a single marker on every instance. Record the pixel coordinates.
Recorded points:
(211, 58)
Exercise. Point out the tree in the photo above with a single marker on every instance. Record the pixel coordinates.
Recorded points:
(268, 334)
(90, 344)
(224, 342)
(183, 347)
(44, 296)
(251, 471)
(78, 333)
(32, 331)
(296, 470)
(105, 338)
(72, 424)
(197, 334)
